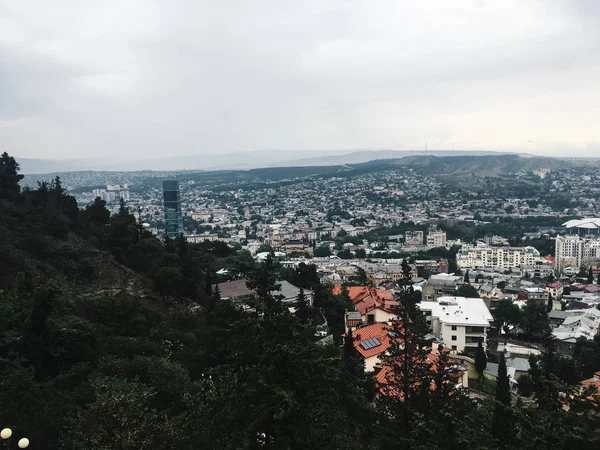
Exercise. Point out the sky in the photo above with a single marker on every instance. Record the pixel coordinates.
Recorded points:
(153, 78)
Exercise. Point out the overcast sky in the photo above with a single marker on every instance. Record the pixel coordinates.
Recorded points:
(152, 78)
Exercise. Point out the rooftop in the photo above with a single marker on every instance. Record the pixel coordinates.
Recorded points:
(459, 311)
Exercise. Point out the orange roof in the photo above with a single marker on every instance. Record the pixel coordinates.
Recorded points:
(593, 384)
(378, 331)
(367, 298)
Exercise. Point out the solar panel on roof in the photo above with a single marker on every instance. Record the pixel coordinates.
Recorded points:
(368, 344)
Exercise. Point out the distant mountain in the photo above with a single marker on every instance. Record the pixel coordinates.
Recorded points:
(233, 160)
(363, 156)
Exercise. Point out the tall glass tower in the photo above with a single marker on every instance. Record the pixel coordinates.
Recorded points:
(172, 202)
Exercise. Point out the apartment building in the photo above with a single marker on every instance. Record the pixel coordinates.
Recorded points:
(461, 323)
(496, 258)
(436, 239)
(440, 285)
(574, 250)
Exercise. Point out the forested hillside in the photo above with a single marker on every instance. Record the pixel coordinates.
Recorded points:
(111, 339)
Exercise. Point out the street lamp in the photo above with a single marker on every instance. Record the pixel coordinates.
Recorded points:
(6, 433)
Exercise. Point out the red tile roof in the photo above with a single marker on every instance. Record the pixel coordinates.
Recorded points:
(366, 298)
(376, 330)
(556, 285)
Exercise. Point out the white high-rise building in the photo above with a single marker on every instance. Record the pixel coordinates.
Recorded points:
(576, 251)
(496, 258)
(436, 239)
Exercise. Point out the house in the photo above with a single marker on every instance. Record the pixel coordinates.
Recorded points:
(439, 285)
(374, 305)
(582, 323)
(238, 291)
(371, 342)
(591, 386)
(555, 290)
(461, 323)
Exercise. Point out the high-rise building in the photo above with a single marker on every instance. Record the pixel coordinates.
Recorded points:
(576, 251)
(436, 239)
(172, 204)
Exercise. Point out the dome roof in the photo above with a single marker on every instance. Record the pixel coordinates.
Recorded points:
(592, 223)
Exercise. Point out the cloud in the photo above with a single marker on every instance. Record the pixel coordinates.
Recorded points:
(157, 77)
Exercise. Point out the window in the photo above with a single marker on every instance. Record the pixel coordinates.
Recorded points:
(454, 348)
(453, 338)
(453, 327)
(371, 318)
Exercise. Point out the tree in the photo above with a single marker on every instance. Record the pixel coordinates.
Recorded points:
(480, 360)
(534, 320)
(468, 291)
(507, 315)
(598, 279)
(503, 394)
(360, 253)
(123, 210)
(208, 285)
(467, 279)
(322, 251)
(97, 212)
(9, 176)
(550, 303)
(502, 420)
(303, 312)
(590, 277)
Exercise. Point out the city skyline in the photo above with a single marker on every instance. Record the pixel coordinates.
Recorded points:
(104, 80)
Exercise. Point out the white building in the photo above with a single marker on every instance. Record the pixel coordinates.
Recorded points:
(461, 323)
(436, 239)
(576, 251)
(496, 258)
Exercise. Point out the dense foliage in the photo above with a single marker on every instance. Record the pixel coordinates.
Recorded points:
(112, 339)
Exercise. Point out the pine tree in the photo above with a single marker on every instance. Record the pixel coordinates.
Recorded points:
(598, 279)
(502, 420)
(9, 176)
(590, 277)
(353, 361)
(550, 303)
(208, 285)
(480, 360)
(302, 308)
(503, 394)
(467, 278)
(123, 210)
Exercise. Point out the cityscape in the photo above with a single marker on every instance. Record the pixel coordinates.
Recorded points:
(339, 225)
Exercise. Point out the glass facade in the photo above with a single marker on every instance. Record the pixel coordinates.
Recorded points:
(172, 203)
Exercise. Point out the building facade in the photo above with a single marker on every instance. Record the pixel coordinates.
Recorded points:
(577, 251)
(496, 258)
(461, 323)
(172, 205)
(436, 239)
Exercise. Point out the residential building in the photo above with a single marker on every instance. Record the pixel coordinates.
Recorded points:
(541, 268)
(461, 323)
(555, 290)
(413, 238)
(436, 239)
(371, 342)
(574, 250)
(172, 204)
(581, 323)
(373, 305)
(496, 258)
(439, 285)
